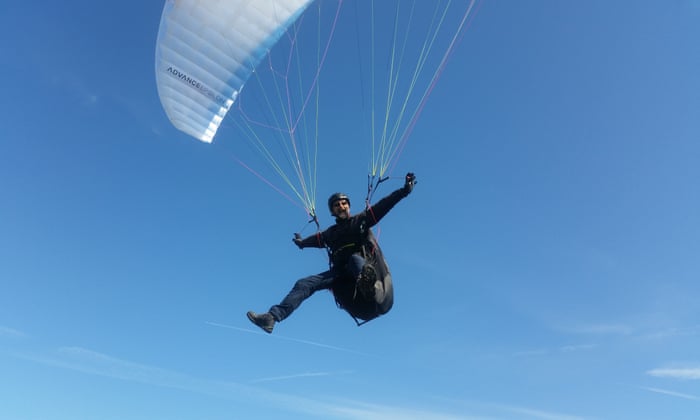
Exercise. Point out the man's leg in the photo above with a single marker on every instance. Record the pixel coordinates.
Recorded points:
(302, 289)
(355, 264)
(365, 276)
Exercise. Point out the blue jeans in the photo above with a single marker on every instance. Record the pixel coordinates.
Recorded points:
(307, 286)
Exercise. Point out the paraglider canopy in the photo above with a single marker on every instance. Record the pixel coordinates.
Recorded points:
(207, 50)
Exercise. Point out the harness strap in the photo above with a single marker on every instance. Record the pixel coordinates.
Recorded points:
(344, 247)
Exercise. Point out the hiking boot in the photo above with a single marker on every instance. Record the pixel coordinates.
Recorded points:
(265, 321)
(366, 280)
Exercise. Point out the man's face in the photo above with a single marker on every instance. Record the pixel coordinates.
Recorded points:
(341, 209)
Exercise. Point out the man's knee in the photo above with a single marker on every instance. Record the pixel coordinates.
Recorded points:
(302, 284)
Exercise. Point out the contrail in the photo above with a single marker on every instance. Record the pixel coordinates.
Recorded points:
(671, 393)
(301, 375)
(281, 337)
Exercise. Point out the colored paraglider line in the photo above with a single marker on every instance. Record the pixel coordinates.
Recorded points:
(288, 136)
(310, 211)
(320, 65)
(466, 21)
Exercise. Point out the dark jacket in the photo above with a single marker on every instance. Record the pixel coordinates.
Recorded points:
(348, 236)
(351, 236)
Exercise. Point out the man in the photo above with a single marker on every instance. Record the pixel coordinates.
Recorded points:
(358, 276)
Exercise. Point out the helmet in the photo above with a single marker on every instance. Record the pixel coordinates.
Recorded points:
(336, 197)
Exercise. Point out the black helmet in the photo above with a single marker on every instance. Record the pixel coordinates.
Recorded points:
(337, 197)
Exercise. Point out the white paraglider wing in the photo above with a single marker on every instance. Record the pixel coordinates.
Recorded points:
(207, 49)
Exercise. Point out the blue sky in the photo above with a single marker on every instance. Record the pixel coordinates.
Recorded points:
(545, 265)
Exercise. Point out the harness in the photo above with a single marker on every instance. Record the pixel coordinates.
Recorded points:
(367, 251)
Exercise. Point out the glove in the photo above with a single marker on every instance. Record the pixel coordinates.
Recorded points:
(297, 240)
(410, 182)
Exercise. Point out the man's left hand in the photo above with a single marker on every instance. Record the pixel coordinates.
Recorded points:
(410, 182)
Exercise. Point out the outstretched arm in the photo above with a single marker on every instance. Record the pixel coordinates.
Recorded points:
(376, 212)
(313, 241)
